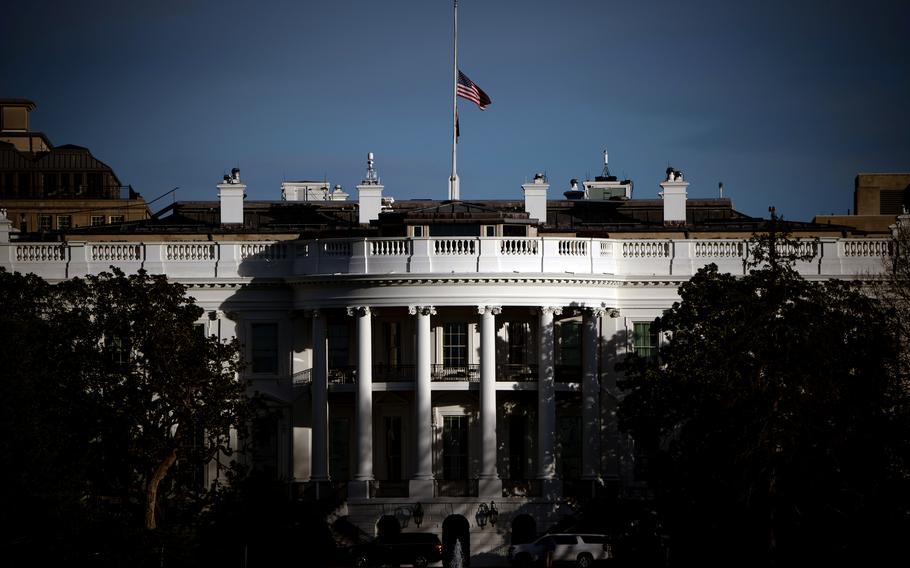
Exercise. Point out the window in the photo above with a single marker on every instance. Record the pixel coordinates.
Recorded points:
(455, 344)
(64, 222)
(339, 448)
(116, 219)
(338, 345)
(518, 432)
(490, 231)
(50, 185)
(265, 347)
(118, 350)
(568, 437)
(392, 342)
(189, 466)
(97, 220)
(519, 344)
(569, 348)
(644, 340)
(455, 447)
(44, 222)
(393, 447)
(418, 231)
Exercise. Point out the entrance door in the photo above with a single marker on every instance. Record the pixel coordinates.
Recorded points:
(455, 447)
(393, 447)
(517, 456)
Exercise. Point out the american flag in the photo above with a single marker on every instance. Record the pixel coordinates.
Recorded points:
(468, 90)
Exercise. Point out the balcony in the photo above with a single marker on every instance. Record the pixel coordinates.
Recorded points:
(519, 372)
(449, 373)
(397, 256)
(342, 375)
(383, 373)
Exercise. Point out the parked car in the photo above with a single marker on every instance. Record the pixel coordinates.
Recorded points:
(583, 550)
(416, 549)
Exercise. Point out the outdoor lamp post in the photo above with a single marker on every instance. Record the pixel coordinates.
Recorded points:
(481, 515)
(417, 514)
(486, 515)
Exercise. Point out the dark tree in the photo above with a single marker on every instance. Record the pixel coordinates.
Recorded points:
(775, 418)
(108, 384)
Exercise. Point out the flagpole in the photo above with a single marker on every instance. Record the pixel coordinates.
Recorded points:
(454, 191)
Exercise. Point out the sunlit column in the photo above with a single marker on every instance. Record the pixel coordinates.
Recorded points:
(590, 393)
(364, 396)
(423, 423)
(546, 394)
(320, 470)
(488, 391)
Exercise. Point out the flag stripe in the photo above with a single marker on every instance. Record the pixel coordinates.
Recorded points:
(468, 90)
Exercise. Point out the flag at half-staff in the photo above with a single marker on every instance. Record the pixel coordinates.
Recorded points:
(468, 90)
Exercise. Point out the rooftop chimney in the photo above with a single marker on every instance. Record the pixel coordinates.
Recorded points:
(231, 194)
(536, 198)
(674, 196)
(369, 194)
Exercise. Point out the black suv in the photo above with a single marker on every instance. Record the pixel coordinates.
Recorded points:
(416, 549)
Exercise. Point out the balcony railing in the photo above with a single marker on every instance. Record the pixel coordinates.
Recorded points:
(678, 258)
(455, 488)
(450, 373)
(519, 372)
(302, 378)
(383, 373)
(342, 374)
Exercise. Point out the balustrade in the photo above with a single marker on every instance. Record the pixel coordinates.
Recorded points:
(719, 249)
(518, 247)
(397, 247)
(263, 251)
(456, 373)
(40, 253)
(540, 255)
(867, 248)
(454, 247)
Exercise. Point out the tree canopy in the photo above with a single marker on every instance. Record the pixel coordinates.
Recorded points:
(111, 393)
(774, 419)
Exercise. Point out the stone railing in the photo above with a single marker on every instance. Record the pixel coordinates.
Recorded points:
(622, 258)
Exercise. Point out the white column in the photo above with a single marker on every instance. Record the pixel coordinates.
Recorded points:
(590, 394)
(488, 391)
(320, 470)
(421, 484)
(546, 395)
(364, 396)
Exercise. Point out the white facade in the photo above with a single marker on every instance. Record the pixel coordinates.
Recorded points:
(449, 371)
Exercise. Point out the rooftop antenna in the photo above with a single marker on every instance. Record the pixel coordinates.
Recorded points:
(372, 177)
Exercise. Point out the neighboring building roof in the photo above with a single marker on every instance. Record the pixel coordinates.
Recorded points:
(18, 102)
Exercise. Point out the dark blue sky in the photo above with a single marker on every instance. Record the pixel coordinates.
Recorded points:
(783, 101)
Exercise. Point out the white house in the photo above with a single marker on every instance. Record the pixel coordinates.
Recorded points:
(446, 353)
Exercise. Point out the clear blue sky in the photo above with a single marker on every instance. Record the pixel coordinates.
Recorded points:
(783, 101)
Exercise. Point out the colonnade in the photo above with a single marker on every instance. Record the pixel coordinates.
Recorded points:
(422, 477)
